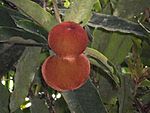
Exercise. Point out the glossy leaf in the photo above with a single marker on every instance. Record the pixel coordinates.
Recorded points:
(114, 23)
(37, 13)
(25, 71)
(4, 99)
(80, 11)
(38, 105)
(84, 100)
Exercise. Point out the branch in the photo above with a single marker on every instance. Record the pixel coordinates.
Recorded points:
(56, 10)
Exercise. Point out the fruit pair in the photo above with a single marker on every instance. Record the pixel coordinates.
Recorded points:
(69, 68)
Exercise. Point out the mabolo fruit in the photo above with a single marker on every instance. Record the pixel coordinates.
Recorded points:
(66, 73)
(67, 39)
(69, 68)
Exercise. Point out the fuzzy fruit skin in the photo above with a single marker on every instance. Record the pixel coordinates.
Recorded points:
(68, 39)
(68, 73)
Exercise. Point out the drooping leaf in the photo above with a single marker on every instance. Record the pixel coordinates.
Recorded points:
(8, 32)
(30, 26)
(38, 105)
(97, 55)
(37, 13)
(25, 72)
(84, 100)
(4, 99)
(114, 23)
(106, 68)
(80, 11)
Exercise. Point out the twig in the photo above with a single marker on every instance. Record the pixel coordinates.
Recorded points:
(56, 10)
(139, 106)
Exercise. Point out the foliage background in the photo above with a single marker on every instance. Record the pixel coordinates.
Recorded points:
(119, 32)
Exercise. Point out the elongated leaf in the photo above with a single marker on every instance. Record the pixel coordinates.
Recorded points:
(97, 55)
(113, 23)
(8, 32)
(36, 102)
(37, 13)
(32, 27)
(130, 8)
(5, 19)
(105, 67)
(4, 99)
(25, 72)
(80, 11)
(84, 100)
(105, 86)
(125, 95)
(9, 55)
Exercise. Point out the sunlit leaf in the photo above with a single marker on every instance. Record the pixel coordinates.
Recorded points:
(37, 13)
(80, 11)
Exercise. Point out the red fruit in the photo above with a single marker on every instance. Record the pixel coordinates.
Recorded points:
(67, 39)
(66, 73)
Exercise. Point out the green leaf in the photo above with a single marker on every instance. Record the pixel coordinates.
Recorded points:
(80, 11)
(100, 39)
(37, 13)
(4, 99)
(18, 111)
(31, 27)
(25, 72)
(97, 55)
(38, 105)
(8, 32)
(118, 47)
(9, 55)
(125, 95)
(129, 8)
(114, 23)
(6, 20)
(106, 68)
(104, 84)
(84, 100)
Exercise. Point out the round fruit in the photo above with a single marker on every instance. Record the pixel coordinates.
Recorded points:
(67, 39)
(66, 73)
